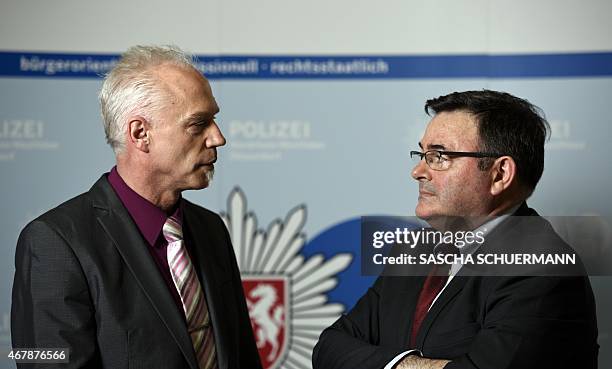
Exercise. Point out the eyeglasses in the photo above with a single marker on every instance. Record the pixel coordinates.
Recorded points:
(440, 160)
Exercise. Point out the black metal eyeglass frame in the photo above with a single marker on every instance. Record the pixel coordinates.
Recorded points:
(472, 154)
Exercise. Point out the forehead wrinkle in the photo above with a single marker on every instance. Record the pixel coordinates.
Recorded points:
(443, 141)
(454, 131)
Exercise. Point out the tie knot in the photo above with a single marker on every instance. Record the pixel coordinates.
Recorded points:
(172, 230)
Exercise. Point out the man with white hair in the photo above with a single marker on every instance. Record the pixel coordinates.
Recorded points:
(130, 274)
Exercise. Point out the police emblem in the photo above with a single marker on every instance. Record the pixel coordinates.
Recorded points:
(285, 292)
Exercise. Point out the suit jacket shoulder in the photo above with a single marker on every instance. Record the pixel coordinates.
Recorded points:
(85, 280)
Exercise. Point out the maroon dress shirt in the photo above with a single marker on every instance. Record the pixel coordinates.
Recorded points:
(150, 220)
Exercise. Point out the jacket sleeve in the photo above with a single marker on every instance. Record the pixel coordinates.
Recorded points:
(51, 306)
(353, 340)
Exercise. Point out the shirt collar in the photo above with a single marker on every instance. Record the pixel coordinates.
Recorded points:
(486, 228)
(149, 218)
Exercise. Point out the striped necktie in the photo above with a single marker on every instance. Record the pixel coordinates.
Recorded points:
(189, 289)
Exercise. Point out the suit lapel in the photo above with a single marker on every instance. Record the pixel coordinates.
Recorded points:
(452, 289)
(496, 236)
(405, 294)
(121, 229)
(204, 245)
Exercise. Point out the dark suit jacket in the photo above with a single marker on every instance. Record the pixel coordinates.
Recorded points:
(85, 280)
(484, 322)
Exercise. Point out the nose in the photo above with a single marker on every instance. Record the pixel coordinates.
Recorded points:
(421, 171)
(215, 138)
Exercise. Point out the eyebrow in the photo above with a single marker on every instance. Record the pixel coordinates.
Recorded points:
(433, 147)
(199, 117)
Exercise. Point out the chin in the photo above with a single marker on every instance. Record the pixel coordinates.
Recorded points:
(430, 216)
(198, 183)
(209, 177)
(200, 186)
(201, 180)
(204, 182)
(422, 212)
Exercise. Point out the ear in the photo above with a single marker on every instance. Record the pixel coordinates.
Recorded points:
(139, 133)
(503, 173)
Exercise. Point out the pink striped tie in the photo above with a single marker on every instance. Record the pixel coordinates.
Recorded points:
(189, 289)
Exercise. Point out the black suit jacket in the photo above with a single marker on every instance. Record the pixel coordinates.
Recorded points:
(479, 321)
(85, 280)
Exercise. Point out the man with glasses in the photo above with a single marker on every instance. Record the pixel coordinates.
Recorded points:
(480, 158)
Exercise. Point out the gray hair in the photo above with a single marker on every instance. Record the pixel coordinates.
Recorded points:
(132, 87)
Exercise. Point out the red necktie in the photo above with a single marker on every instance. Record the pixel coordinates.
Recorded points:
(431, 288)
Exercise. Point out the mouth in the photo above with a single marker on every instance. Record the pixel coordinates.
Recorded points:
(209, 163)
(425, 194)
(423, 190)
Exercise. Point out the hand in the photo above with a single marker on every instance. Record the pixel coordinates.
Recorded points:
(417, 362)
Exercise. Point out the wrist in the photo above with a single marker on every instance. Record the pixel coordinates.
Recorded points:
(409, 360)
